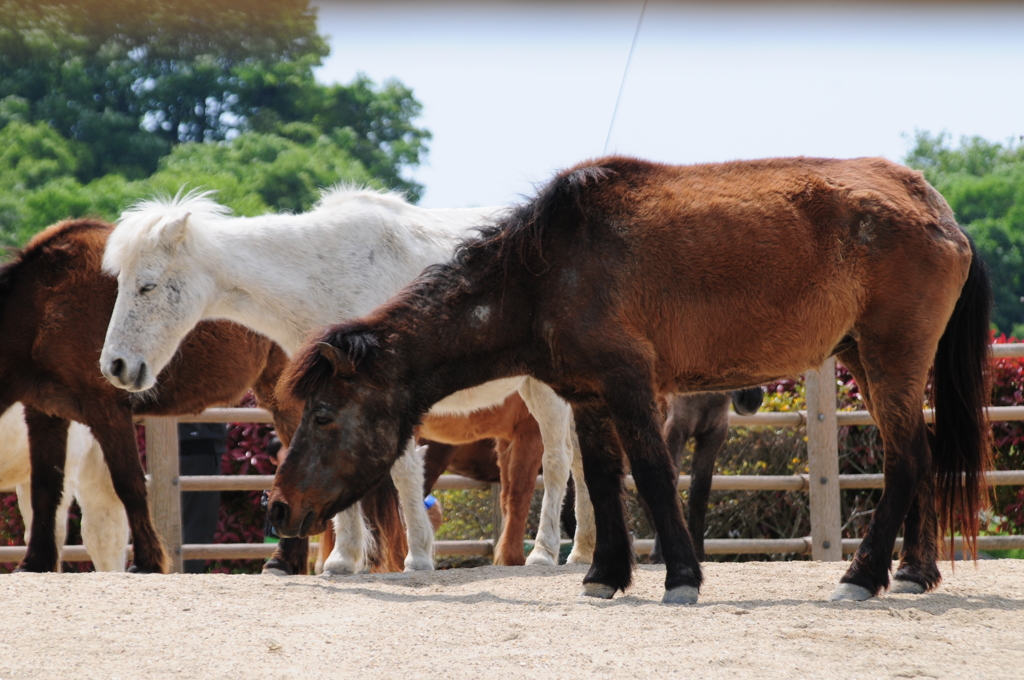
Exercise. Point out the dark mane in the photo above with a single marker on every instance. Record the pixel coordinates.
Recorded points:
(310, 372)
(37, 246)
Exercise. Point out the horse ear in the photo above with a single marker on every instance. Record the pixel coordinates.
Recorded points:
(341, 363)
(174, 231)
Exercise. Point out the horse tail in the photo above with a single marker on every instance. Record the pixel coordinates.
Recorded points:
(960, 391)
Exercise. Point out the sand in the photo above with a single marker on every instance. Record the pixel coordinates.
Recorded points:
(754, 620)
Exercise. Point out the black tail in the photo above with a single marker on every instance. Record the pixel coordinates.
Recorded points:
(960, 393)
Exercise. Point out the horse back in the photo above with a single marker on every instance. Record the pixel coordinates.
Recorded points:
(735, 274)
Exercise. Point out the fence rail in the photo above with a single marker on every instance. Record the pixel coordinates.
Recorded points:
(823, 482)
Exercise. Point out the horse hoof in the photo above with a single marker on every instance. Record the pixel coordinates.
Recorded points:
(274, 571)
(337, 568)
(419, 565)
(681, 595)
(599, 590)
(906, 587)
(540, 558)
(850, 591)
(578, 558)
(136, 569)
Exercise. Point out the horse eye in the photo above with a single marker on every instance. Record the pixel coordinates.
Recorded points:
(322, 420)
(148, 287)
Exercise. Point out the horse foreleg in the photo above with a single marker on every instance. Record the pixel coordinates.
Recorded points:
(636, 418)
(104, 521)
(553, 416)
(349, 553)
(584, 538)
(48, 439)
(612, 567)
(407, 474)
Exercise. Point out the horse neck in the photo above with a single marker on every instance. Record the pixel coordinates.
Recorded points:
(285, 275)
(459, 340)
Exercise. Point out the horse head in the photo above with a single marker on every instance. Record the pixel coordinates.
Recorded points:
(160, 293)
(747, 401)
(350, 434)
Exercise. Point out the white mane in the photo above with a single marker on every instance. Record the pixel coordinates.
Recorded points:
(142, 224)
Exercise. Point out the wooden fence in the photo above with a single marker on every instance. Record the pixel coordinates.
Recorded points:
(822, 482)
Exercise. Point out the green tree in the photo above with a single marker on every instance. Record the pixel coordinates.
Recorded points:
(252, 174)
(983, 182)
(131, 79)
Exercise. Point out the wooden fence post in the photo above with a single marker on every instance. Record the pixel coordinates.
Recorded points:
(496, 517)
(164, 489)
(823, 463)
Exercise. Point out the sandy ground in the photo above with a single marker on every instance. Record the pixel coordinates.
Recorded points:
(754, 620)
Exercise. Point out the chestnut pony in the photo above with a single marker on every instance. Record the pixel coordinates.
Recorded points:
(618, 283)
(55, 302)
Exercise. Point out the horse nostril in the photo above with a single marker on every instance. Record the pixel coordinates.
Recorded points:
(140, 379)
(116, 367)
(278, 514)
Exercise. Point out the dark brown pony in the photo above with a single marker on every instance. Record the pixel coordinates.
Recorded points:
(55, 303)
(617, 283)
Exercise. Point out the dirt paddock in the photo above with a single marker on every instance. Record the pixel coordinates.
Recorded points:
(754, 620)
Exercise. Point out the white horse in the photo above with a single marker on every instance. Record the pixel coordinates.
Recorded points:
(86, 478)
(181, 260)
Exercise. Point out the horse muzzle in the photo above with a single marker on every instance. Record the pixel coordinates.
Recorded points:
(134, 376)
(290, 524)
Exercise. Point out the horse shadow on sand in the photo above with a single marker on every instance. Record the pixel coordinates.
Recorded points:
(414, 585)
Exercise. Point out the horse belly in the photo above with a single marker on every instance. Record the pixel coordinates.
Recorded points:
(731, 337)
(488, 395)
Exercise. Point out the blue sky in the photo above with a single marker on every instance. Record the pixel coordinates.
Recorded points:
(514, 91)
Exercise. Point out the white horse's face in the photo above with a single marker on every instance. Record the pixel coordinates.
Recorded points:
(160, 298)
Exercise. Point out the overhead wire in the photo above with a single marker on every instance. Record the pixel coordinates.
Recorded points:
(622, 85)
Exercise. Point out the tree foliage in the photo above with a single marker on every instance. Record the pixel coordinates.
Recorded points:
(130, 80)
(983, 182)
(252, 174)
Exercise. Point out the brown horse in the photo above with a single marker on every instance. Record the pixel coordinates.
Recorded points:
(55, 303)
(617, 283)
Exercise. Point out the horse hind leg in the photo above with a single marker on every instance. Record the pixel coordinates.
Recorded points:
(518, 464)
(116, 436)
(553, 417)
(705, 451)
(918, 571)
(896, 393)
(104, 521)
(585, 535)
